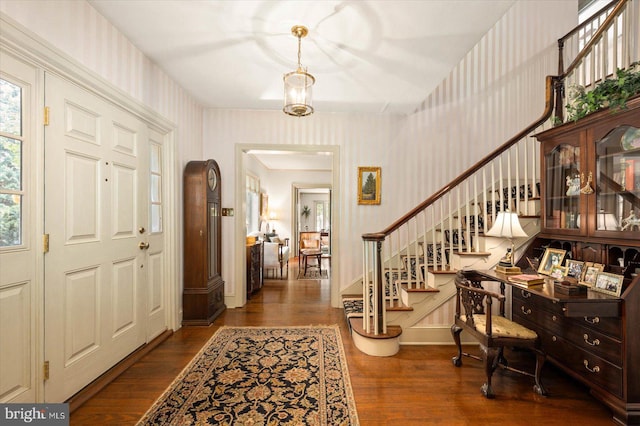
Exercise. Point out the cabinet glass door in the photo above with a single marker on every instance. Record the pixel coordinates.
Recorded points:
(618, 180)
(562, 186)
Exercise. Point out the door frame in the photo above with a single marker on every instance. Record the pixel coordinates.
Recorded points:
(32, 49)
(239, 296)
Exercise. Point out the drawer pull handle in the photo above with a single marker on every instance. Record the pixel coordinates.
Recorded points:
(525, 294)
(554, 338)
(595, 369)
(525, 311)
(593, 320)
(554, 318)
(595, 342)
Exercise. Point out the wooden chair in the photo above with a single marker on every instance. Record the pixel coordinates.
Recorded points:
(493, 332)
(309, 246)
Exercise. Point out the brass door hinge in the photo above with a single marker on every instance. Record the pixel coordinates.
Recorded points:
(45, 370)
(45, 243)
(46, 116)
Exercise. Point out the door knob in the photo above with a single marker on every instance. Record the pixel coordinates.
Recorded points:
(143, 245)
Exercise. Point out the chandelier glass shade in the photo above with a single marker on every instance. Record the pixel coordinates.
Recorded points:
(298, 84)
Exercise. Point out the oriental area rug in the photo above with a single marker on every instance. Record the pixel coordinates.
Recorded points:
(313, 274)
(262, 376)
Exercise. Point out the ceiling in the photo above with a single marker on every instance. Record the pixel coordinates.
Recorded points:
(367, 56)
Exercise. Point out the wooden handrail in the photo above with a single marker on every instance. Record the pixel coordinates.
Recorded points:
(548, 110)
(589, 21)
(596, 37)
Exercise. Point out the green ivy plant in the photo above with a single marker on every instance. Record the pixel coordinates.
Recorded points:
(612, 93)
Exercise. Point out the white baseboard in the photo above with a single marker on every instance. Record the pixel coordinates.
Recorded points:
(437, 335)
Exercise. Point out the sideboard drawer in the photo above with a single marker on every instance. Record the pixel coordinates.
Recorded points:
(533, 300)
(588, 365)
(611, 326)
(591, 340)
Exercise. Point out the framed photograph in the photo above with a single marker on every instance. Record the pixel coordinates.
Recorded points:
(558, 272)
(608, 283)
(552, 257)
(574, 269)
(369, 184)
(590, 274)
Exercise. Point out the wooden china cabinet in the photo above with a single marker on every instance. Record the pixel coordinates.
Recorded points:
(203, 295)
(590, 180)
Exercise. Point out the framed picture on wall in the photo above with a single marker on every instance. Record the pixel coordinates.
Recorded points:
(369, 184)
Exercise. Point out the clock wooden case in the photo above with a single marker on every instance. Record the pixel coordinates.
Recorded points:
(203, 295)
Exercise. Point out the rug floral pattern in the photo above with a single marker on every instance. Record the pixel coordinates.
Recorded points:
(262, 376)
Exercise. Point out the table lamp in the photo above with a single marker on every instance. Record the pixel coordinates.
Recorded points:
(507, 226)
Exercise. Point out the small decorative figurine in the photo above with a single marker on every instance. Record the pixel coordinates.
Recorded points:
(573, 185)
(630, 222)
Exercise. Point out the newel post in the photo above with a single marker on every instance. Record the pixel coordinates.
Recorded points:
(559, 83)
(375, 268)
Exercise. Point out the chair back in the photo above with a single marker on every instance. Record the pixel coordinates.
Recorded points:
(472, 301)
(271, 255)
(309, 240)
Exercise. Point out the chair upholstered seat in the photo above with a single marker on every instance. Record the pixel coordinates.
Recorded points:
(503, 327)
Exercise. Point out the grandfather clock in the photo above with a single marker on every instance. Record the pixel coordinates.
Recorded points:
(203, 296)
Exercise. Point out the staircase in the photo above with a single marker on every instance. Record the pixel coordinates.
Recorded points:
(409, 267)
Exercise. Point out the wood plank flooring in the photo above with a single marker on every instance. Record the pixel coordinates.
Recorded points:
(418, 386)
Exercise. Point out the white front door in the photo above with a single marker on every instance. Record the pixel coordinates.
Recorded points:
(97, 217)
(19, 239)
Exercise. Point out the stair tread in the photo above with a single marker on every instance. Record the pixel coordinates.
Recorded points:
(422, 290)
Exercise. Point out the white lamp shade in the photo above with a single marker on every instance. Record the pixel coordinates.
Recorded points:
(506, 225)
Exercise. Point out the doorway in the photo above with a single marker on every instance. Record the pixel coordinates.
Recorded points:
(311, 204)
(288, 221)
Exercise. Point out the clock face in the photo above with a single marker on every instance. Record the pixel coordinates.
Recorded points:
(212, 180)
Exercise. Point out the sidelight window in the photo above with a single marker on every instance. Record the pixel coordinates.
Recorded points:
(11, 167)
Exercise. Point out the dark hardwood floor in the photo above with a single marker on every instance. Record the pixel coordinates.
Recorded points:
(418, 386)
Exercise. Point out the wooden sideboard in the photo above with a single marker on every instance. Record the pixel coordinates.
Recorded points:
(592, 337)
(590, 207)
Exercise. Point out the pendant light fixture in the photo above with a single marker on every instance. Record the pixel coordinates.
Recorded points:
(298, 84)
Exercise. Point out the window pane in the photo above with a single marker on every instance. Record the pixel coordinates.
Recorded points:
(10, 164)
(155, 189)
(10, 220)
(156, 218)
(10, 108)
(155, 159)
